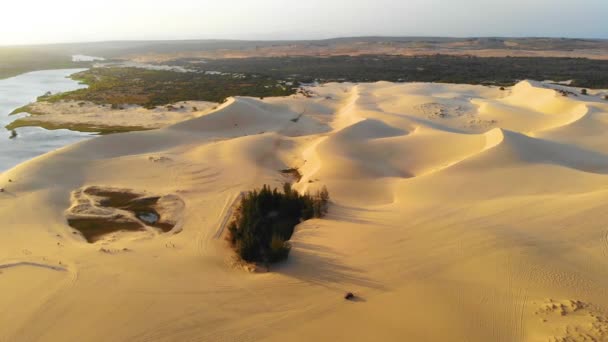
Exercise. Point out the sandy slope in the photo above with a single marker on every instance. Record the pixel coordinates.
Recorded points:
(75, 114)
(460, 213)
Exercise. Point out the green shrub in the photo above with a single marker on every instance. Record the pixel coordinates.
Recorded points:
(265, 221)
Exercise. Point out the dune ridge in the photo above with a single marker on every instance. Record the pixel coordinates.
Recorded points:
(458, 212)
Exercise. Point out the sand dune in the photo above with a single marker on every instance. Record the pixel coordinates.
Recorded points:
(459, 213)
(87, 115)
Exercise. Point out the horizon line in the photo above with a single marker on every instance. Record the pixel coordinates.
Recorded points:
(293, 40)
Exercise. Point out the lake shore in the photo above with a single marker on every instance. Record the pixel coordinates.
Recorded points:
(22, 144)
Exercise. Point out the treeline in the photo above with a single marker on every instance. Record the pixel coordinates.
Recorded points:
(265, 221)
(506, 71)
(150, 88)
(219, 79)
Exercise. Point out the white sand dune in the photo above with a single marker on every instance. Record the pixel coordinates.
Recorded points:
(459, 213)
(92, 116)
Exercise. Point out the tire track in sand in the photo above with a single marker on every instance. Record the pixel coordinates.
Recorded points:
(228, 213)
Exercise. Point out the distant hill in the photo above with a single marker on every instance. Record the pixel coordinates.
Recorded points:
(19, 59)
(345, 46)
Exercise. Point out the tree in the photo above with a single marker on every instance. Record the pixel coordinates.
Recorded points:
(266, 219)
(324, 195)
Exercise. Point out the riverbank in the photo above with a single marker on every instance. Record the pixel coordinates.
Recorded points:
(25, 143)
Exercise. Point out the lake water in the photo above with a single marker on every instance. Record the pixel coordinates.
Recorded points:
(85, 58)
(32, 141)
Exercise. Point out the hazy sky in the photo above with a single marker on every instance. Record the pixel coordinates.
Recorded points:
(43, 21)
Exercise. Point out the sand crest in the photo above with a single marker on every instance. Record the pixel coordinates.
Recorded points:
(458, 213)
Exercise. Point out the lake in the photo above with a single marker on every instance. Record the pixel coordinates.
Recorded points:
(30, 142)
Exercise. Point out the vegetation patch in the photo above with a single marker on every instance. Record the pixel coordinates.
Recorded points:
(265, 221)
(94, 228)
(501, 71)
(28, 108)
(151, 88)
(80, 127)
(97, 212)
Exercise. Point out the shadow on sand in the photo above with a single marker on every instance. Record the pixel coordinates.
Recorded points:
(318, 265)
(353, 214)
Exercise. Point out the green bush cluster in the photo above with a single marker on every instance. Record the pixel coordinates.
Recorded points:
(265, 221)
(506, 71)
(281, 76)
(150, 88)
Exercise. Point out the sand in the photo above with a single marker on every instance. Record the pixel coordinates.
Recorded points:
(459, 213)
(89, 115)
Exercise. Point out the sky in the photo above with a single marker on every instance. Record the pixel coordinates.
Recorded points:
(53, 21)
